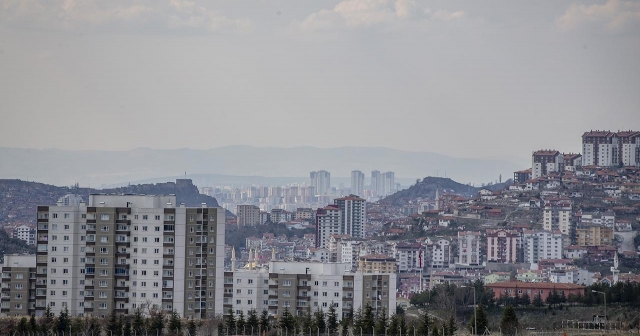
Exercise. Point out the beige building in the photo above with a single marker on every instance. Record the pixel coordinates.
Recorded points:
(248, 215)
(18, 285)
(373, 263)
(594, 235)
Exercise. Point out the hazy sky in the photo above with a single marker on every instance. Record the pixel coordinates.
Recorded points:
(464, 78)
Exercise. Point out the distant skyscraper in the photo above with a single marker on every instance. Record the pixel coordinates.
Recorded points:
(357, 182)
(376, 183)
(388, 183)
(321, 181)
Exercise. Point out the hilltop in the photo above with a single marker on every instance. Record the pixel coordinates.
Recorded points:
(19, 199)
(427, 189)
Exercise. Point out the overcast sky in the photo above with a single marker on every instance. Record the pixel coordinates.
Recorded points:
(463, 78)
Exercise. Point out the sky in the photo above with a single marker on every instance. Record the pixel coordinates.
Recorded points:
(462, 78)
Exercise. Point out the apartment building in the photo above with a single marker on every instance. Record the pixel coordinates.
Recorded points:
(123, 252)
(377, 263)
(538, 245)
(594, 235)
(25, 233)
(629, 148)
(572, 161)
(410, 257)
(522, 176)
(546, 161)
(557, 215)
(248, 215)
(328, 223)
(18, 285)
(441, 254)
(502, 246)
(469, 248)
(321, 181)
(353, 211)
(357, 183)
(345, 249)
(600, 148)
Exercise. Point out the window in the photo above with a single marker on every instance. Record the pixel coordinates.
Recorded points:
(66, 226)
(145, 217)
(144, 228)
(65, 249)
(55, 215)
(250, 281)
(286, 283)
(53, 281)
(65, 282)
(336, 294)
(238, 291)
(144, 239)
(336, 284)
(157, 228)
(156, 251)
(157, 240)
(104, 217)
(104, 239)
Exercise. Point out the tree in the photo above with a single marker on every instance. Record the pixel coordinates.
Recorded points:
(425, 322)
(175, 324)
(347, 322)
(33, 324)
(402, 325)
(230, 322)
(394, 324)
(264, 320)
(435, 330)
(357, 319)
(332, 320)
(509, 323)
(287, 321)
(138, 325)
(192, 327)
(382, 322)
(525, 300)
(113, 326)
(126, 331)
(157, 322)
(451, 326)
(307, 322)
(480, 319)
(368, 319)
(252, 320)
(23, 325)
(319, 321)
(64, 321)
(240, 322)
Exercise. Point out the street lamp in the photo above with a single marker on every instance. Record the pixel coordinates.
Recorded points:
(605, 305)
(475, 310)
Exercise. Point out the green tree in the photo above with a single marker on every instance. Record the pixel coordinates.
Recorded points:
(435, 330)
(425, 323)
(402, 325)
(64, 321)
(287, 321)
(319, 321)
(23, 325)
(138, 323)
(192, 327)
(126, 331)
(452, 327)
(368, 319)
(509, 323)
(347, 322)
(382, 322)
(306, 321)
(264, 320)
(525, 300)
(394, 325)
(481, 320)
(240, 322)
(252, 320)
(175, 324)
(157, 322)
(537, 300)
(33, 324)
(230, 322)
(357, 320)
(332, 320)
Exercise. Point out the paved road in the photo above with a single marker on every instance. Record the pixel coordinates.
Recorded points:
(627, 243)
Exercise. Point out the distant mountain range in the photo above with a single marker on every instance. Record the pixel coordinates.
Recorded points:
(104, 168)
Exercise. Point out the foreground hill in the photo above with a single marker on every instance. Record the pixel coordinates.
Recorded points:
(19, 199)
(427, 189)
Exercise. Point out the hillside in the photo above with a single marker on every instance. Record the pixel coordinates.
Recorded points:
(98, 168)
(427, 189)
(19, 199)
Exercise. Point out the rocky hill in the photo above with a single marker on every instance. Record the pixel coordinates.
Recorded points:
(19, 199)
(427, 189)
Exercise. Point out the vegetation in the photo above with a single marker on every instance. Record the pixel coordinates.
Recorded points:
(509, 323)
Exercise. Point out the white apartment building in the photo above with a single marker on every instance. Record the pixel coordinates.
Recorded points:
(441, 254)
(124, 252)
(353, 211)
(539, 245)
(558, 216)
(546, 161)
(599, 148)
(629, 148)
(26, 234)
(357, 183)
(408, 256)
(321, 181)
(469, 248)
(328, 223)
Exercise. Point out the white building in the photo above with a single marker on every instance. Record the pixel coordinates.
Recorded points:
(321, 181)
(441, 254)
(469, 248)
(328, 223)
(629, 148)
(599, 148)
(26, 234)
(557, 216)
(547, 161)
(353, 213)
(539, 245)
(357, 183)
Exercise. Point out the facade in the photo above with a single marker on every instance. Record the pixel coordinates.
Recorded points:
(376, 183)
(248, 215)
(599, 148)
(377, 263)
(557, 216)
(534, 289)
(357, 183)
(572, 161)
(502, 246)
(18, 288)
(328, 223)
(629, 148)
(544, 162)
(353, 211)
(594, 235)
(26, 234)
(538, 245)
(469, 248)
(410, 257)
(321, 181)
(522, 176)
(441, 254)
(123, 252)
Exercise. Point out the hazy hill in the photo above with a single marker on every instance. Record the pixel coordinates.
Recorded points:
(97, 168)
(19, 199)
(426, 188)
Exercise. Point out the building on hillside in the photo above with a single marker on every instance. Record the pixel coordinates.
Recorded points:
(248, 215)
(18, 284)
(353, 213)
(328, 223)
(502, 246)
(600, 148)
(25, 233)
(594, 235)
(469, 248)
(546, 161)
(441, 254)
(357, 183)
(572, 161)
(124, 252)
(377, 263)
(629, 148)
(539, 245)
(409, 256)
(534, 289)
(558, 216)
(522, 176)
(497, 277)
